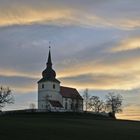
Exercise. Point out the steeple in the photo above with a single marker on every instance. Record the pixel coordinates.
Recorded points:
(49, 74)
(49, 63)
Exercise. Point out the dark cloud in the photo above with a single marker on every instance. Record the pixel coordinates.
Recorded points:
(67, 43)
(19, 84)
(17, 80)
(123, 57)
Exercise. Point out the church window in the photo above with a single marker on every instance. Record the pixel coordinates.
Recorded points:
(66, 105)
(42, 85)
(71, 105)
(53, 86)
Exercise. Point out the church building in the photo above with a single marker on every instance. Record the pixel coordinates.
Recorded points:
(54, 97)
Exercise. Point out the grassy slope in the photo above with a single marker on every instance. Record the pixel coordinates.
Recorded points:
(44, 127)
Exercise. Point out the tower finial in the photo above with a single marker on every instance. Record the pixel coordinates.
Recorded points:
(49, 45)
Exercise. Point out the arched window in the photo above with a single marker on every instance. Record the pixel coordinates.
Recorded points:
(66, 105)
(42, 85)
(53, 86)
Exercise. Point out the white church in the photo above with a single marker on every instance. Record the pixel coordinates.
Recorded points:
(54, 97)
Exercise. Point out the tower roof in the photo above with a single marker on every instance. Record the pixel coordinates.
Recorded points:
(49, 74)
(49, 58)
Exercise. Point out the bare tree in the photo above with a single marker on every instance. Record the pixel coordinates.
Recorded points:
(86, 99)
(114, 103)
(6, 96)
(96, 104)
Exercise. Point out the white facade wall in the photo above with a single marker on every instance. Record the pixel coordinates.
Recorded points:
(67, 101)
(51, 91)
(81, 105)
(48, 91)
(68, 107)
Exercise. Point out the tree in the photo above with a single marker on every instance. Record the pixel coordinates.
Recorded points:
(96, 104)
(86, 99)
(114, 103)
(6, 96)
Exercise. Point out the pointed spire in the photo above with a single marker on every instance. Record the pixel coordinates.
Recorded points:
(49, 63)
(49, 74)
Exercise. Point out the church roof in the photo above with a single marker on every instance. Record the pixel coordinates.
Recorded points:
(68, 92)
(45, 79)
(55, 103)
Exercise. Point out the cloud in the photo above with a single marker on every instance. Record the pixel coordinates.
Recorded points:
(90, 56)
(128, 44)
(31, 16)
(32, 41)
(12, 73)
(72, 13)
(103, 81)
(19, 84)
(131, 112)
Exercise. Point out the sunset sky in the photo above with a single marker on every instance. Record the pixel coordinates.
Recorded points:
(95, 45)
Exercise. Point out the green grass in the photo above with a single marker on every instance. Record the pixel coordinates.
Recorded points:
(66, 127)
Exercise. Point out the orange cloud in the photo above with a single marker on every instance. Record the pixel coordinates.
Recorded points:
(24, 89)
(61, 15)
(131, 112)
(127, 44)
(123, 74)
(92, 75)
(28, 15)
(11, 72)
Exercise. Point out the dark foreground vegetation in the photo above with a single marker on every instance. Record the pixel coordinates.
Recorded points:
(66, 126)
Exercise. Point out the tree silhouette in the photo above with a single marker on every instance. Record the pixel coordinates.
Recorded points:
(114, 103)
(95, 104)
(6, 96)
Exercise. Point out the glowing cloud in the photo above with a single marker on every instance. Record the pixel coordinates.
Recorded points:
(10, 73)
(131, 112)
(128, 44)
(29, 16)
(67, 13)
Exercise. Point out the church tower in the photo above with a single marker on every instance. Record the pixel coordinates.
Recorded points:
(48, 86)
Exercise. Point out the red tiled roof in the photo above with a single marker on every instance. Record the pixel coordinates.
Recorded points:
(68, 92)
(55, 103)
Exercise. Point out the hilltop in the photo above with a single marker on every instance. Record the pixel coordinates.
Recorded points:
(66, 127)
